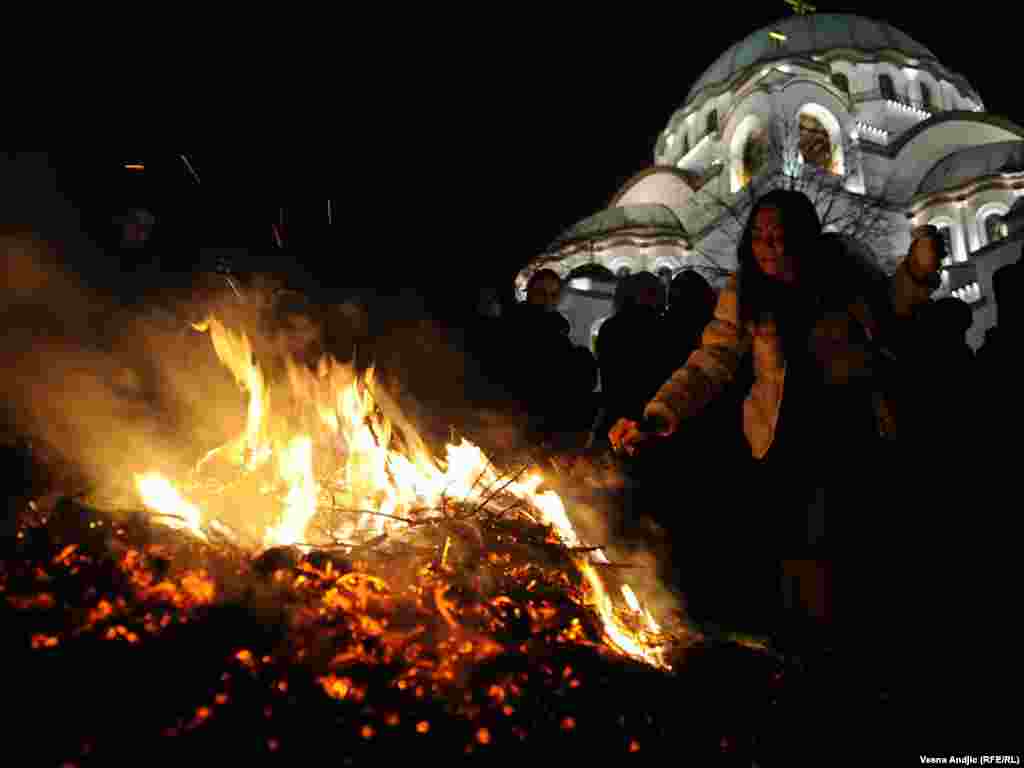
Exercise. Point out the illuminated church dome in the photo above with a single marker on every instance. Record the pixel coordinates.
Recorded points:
(823, 34)
(855, 112)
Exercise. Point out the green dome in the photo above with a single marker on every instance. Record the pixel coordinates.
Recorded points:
(972, 163)
(651, 216)
(806, 35)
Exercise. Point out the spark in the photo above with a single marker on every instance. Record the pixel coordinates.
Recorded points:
(191, 170)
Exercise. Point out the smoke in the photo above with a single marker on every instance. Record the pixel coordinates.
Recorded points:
(110, 390)
(118, 391)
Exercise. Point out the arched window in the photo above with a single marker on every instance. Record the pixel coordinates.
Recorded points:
(815, 144)
(841, 81)
(994, 229)
(712, 124)
(926, 96)
(886, 87)
(755, 155)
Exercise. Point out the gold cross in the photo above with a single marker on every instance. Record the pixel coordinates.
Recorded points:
(800, 7)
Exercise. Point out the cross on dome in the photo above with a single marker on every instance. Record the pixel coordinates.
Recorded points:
(800, 7)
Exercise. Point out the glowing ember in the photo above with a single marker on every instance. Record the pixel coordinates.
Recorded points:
(338, 470)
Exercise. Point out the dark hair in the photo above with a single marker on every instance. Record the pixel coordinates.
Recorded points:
(1007, 282)
(1007, 288)
(847, 273)
(690, 289)
(630, 287)
(803, 232)
(539, 275)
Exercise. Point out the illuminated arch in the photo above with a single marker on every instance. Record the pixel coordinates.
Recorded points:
(619, 262)
(830, 123)
(985, 212)
(663, 262)
(751, 128)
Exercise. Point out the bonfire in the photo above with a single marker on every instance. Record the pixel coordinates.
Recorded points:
(423, 602)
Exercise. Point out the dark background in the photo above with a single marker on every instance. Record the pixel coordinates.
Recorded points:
(456, 149)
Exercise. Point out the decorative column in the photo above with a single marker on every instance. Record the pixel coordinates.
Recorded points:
(913, 89)
(969, 225)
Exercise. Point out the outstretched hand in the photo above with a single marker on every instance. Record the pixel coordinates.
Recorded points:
(628, 436)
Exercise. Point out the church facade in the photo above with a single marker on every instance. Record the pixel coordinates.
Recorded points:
(846, 104)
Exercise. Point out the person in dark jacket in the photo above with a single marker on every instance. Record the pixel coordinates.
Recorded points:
(691, 303)
(628, 379)
(552, 377)
(1001, 345)
(1002, 414)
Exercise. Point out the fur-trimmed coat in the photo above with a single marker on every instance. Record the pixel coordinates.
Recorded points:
(847, 342)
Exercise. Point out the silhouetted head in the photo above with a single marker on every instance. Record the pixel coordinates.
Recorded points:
(544, 289)
(690, 291)
(1008, 290)
(640, 290)
(848, 271)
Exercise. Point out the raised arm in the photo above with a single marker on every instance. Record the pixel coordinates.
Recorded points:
(917, 276)
(709, 369)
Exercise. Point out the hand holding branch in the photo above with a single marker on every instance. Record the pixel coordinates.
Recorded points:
(628, 436)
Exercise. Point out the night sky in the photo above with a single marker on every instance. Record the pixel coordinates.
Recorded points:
(477, 146)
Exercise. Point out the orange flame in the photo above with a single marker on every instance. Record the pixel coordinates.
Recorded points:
(347, 421)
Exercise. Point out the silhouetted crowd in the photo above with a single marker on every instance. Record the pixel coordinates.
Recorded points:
(886, 411)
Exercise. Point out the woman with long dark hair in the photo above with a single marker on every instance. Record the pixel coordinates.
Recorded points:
(811, 413)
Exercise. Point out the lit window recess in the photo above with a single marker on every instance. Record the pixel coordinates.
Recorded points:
(871, 132)
(134, 167)
(778, 37)
(909, 108)
(581, 284)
